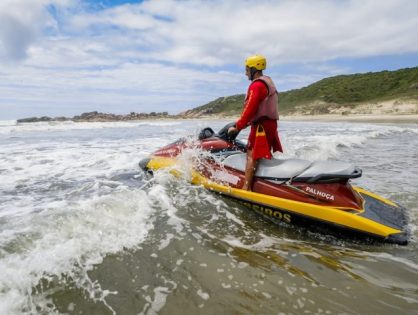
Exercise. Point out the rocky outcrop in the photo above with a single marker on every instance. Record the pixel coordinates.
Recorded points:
(34, 119)
(100, 117)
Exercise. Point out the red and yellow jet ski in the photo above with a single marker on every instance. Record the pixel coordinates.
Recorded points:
(293, 191)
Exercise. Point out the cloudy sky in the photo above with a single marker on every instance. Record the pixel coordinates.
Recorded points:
(65, 57)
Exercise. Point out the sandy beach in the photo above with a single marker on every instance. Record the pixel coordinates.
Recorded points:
(355, 118)
(391, 111)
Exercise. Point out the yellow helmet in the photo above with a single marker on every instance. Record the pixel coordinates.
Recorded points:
(256, 61)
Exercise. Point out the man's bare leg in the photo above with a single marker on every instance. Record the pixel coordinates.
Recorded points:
(249, 171)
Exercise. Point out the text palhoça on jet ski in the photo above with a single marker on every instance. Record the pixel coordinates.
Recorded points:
(294, 191)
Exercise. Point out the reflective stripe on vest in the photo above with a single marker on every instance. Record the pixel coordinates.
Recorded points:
(268, 108)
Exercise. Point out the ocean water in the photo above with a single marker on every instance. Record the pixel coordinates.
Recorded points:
(82, 231)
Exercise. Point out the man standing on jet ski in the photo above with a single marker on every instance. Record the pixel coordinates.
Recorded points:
(261, 112)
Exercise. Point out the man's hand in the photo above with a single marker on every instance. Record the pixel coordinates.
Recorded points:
(232, 131)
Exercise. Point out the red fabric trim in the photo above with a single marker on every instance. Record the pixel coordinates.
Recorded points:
(272, 136)
(261, 145)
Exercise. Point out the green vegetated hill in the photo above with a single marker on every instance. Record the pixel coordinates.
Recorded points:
(229, 105)
(339, 94)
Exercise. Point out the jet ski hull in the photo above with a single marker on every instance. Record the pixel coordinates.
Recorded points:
(335, 221)
(291, 191)
(374, 217)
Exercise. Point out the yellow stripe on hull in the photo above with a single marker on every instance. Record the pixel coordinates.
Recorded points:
(316, 212)
(368, 193)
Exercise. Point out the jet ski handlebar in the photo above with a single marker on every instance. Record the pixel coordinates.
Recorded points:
(224, 135)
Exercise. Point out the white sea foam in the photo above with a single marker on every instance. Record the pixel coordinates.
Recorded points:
(203, 295)
(318, 143)
(70, 241)
(11, 127)
(62, 212)
(321, 147)
(155, 304)
(7, 123)
(389, 257)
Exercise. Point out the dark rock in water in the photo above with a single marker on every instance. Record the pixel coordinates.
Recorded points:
(61, 118)
(34, 119)
(27, 120)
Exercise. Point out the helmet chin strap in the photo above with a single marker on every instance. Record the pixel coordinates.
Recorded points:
(253, 71)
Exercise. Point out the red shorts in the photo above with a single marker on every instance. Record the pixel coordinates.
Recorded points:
(270, 127)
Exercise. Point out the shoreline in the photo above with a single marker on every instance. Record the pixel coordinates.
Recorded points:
(372, 118)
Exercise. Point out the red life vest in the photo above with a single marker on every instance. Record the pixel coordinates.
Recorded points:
(268, 108)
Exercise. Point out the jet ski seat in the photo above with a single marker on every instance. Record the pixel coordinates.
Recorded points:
(296, 169)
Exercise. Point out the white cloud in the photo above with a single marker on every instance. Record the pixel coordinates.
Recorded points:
(127, 16)
(21, 23)
(17, 29)
(128, 87)
(220, 32)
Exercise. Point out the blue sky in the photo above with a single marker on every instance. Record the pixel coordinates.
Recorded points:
(65, 57)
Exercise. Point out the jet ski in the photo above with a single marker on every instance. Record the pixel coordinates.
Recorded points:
(291, 191)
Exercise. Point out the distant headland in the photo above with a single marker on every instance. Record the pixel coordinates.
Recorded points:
(99, 117)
